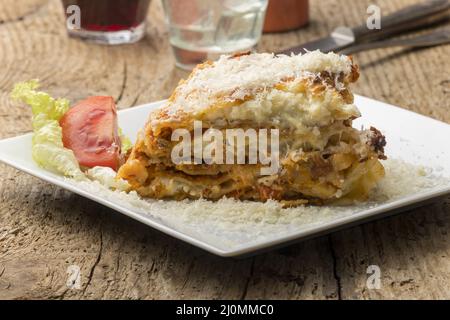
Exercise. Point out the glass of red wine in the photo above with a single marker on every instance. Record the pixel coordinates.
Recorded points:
(106, 21)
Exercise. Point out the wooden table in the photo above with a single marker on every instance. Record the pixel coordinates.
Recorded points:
(44, 229)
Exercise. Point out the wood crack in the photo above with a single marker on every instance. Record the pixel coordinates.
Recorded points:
(124, 82)
(97, 260)
(117, 264)
(190, 268)
(247, 282)
(336, 275)
(26, 15)
(61, 296)
(135, 100)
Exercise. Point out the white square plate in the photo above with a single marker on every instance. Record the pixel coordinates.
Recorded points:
(411, 137)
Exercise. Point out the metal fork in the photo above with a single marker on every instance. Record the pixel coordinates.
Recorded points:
(434, 38)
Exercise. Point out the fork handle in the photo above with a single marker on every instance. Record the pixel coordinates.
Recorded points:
(405, 19)
(434, 38)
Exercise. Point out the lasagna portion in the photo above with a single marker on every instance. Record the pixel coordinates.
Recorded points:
(306, 98)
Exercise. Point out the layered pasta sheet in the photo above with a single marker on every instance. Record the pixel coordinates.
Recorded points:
(303, 105)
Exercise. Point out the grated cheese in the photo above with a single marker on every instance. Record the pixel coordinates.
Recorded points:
(237, 78)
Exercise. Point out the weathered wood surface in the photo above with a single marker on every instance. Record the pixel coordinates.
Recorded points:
(44, 229)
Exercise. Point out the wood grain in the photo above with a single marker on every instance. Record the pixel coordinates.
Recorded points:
(44, 229)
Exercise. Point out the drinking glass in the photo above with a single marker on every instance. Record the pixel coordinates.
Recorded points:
(204, 29)
(106, 21)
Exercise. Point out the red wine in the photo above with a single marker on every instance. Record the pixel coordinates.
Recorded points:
(110, 15)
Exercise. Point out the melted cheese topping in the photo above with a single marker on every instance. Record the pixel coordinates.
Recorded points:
(233, 79)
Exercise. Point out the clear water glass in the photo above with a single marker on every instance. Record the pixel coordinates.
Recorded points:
(204, 29)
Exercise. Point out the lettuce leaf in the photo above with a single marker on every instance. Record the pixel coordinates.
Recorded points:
(57, 159)
(125, 142)
(47, 146)
(41, 103)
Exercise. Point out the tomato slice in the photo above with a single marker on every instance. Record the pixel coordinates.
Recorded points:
(90, 130)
